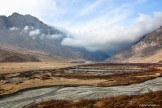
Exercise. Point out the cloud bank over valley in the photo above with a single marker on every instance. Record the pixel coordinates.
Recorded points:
(104, 25)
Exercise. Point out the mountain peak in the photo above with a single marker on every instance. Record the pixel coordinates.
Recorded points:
(15, 14)
(20, 21)
(28, 32)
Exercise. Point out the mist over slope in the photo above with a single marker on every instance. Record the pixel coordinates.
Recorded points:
(28, 32)
(112, 36)
(148, 49)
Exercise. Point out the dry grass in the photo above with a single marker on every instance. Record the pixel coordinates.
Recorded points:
(10, 83)
(149, 100)
(28, 66)
(152, 58)
(116, 78)
(12, 88)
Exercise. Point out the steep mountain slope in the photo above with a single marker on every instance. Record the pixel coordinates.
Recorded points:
(28, 32)
(148, 49)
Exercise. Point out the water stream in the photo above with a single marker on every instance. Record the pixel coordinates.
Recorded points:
(102, 71)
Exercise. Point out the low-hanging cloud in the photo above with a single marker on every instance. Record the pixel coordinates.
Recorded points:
(113, 38)
(107, 25)
(14, 29)
(34, 32)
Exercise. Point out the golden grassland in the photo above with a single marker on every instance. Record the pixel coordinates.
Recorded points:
(28, 66)
(7, 69)
(12, 88)
(53, 76)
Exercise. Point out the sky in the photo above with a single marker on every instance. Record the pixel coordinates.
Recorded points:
(105, 25)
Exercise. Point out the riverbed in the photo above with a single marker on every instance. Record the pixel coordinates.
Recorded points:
(101, 71)
(28, 97)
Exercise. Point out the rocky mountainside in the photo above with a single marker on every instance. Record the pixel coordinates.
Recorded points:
(148, 49)
(26, 31)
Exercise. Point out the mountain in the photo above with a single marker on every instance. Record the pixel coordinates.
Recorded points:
(9, 56)
(16, 54)
(148, 49)
(28, 32)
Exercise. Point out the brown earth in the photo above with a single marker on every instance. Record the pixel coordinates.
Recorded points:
(148, 100)
(29, 66)
(50, 75)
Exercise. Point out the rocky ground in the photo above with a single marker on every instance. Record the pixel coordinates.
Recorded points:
(74, 93)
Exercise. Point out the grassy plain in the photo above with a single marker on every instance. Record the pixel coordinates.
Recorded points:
(14, 78)
(29, 66)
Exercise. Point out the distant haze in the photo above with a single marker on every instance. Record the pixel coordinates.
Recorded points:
(106, 25)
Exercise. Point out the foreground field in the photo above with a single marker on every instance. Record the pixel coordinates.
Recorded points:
(148, 100)
(36, 95)
(13, 82)
(45, 81)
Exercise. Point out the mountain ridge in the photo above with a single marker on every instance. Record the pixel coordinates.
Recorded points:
(28, 32)
(148, 49)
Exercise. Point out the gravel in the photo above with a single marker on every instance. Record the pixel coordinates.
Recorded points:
(82, 92)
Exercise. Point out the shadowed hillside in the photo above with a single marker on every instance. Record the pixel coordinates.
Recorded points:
(28, 32)
(148, 49)
(7, 56)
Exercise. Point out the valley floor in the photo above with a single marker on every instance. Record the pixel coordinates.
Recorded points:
(45, 81)
(29, 66)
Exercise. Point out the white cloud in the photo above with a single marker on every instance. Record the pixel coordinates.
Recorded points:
(90, 8)
(34, 32)
(26, 28)
(103, 25)
(54, 36)
(34, 7)
(114, 36)
(14, 29)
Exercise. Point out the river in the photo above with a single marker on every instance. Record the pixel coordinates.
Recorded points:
(28, 97)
